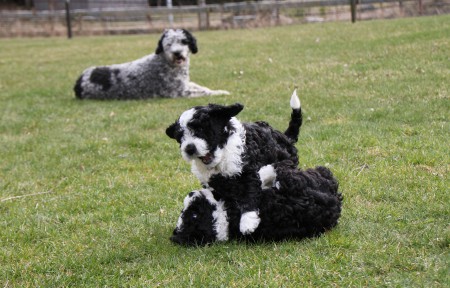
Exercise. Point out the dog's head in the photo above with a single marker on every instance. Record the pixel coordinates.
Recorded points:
(203, 220)
(203, 131)
(176, 44)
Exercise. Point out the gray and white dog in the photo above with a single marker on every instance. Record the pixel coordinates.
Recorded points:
(164, 74)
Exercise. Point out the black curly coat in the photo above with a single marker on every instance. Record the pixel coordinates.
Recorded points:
(303, 204)
(263, 145)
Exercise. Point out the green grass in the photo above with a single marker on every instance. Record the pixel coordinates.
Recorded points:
(102, 186)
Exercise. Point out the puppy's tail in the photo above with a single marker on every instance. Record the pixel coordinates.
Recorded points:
(296, 118)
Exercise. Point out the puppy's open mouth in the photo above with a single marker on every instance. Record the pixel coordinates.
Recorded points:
(179, 59)
(207, 159)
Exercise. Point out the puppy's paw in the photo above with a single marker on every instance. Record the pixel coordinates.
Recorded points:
(267, 175)
(249, 222)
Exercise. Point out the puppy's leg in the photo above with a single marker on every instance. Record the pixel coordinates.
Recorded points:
(249, 204)
(195, 90)
(244, 191)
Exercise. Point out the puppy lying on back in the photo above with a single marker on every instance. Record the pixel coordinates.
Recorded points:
(226, 154)
(299, 204)
(163, 74)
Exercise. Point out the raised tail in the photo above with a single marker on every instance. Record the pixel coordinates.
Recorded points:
(296, 118)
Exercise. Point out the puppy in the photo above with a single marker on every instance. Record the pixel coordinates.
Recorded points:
(226, 154)
(299, 204)
(163, 74)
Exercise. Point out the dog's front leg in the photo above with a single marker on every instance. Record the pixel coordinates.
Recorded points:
(249, 207)
(194, 90)
(249, 222)
(244, 191)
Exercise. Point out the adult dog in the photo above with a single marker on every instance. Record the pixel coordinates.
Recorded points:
(296, 204)
(163, 74)
(226, 154)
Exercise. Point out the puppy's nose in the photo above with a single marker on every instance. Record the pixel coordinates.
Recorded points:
(190, 149)
(177, 53)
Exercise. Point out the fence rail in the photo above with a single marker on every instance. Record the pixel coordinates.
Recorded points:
(210, 16)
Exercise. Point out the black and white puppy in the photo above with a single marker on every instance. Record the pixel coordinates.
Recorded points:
(226, 154)
(162, 74)
(299, 204)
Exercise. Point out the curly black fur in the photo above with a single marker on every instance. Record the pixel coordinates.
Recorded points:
(197, 224)
(303, 204)
(263, 145)
(226, 154)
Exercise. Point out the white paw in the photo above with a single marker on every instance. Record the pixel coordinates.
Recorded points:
(249, 222)
(219, 92)
(267, 175)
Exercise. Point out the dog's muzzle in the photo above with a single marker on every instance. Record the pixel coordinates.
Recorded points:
(191, 151)
(207, 159)
(178, 58)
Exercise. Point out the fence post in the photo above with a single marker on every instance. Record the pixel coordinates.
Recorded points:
(69, 24)
(353, 10)
(202, 15)
(169, 5)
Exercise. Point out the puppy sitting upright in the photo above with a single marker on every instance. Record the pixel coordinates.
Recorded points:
(226, 154)
(162, 74)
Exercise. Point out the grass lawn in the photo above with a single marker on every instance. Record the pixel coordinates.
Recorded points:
(90, 191)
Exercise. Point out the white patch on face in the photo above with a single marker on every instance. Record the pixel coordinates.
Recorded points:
(189, 198)
(267, 175)
(186, 117)
(200, 145)
(189, 138)
(219, 216)
(187, 202)
(179, 222)
(227, 161)
(172, 44)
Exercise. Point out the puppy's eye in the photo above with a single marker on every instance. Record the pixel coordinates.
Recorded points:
(184, 42)
(178, 135)
(194, 216)
(196, 128)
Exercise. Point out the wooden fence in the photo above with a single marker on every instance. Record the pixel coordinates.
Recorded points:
(211, 16)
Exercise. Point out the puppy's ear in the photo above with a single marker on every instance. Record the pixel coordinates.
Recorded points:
(192, 42)
(170, 131)
(160, 47)
(226, 111)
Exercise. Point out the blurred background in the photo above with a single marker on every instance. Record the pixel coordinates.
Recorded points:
(28, 18)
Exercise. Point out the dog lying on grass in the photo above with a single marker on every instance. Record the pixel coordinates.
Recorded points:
(226, 154)
(297, 204)
(163, 74)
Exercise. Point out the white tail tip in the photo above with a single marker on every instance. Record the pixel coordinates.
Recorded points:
(295, 101)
